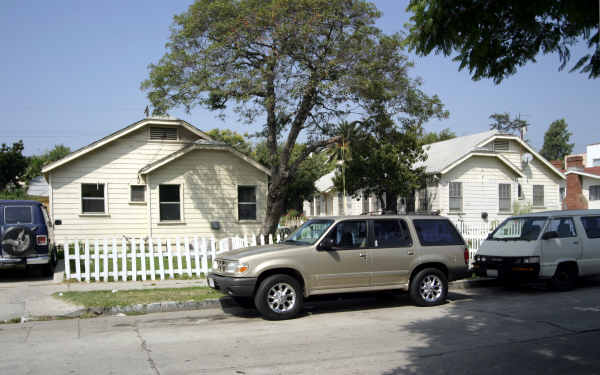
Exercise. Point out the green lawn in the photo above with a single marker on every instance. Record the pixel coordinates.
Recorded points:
(106, 298)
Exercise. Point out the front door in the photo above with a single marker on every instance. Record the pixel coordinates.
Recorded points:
(566, 247)
(392, 252)
(345, 265)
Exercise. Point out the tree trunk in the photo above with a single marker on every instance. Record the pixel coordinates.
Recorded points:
(275, 207)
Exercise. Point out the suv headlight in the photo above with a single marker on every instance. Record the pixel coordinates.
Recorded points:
(531, 260)
(236, 267)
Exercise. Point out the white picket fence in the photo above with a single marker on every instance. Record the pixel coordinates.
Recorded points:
(474, 234)
(143, 259)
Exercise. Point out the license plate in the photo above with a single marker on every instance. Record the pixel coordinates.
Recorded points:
(211, 283)
(492, 273)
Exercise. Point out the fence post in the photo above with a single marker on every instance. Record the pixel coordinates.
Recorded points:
(143, 258)
(67, 262)
(179, 263)
(278, 238)
(262, 239)
(96, 260)
(105, 259)
(115, 260)
(213, 250)
(161, 264)
(151, 256)
(188, 260)
(253, 243)
(270, 238)
(86, 261)
(77, 261)
(123, 259)
(170, 259)
(197, 256)
(204, 257)
(133, 260)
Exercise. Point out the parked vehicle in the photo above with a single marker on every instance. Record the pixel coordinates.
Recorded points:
(558, 246)
(27, 236)
(345, 254)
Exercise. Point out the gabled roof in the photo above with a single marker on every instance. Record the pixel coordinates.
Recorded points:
(502, 159)
(450, 153)
(201, 145)
(121, 133)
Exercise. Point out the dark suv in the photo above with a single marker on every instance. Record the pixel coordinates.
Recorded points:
(27, 236)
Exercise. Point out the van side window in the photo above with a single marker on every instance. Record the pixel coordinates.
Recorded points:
(391, 233)
(437, 233)
(349, 235)
(564, 226)
(591, 225)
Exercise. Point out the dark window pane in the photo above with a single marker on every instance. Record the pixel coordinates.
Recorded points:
(437, 232)
(92, 205)
(138, 193)
(391, 233)
(504, 197)
(592, 226)
(169, 211)
(538, 195)
(349, 235)
(18, 215)
(247, 211)
(246, 194)
(565, 227)
(455, 194)
(595, 192)
(92, 190)
(168, 193)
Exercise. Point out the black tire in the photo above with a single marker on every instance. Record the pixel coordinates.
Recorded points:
(289, 302)
(18, 240)
(48, 269)
(429, 287)
(565, 278)
(510, 284)
(245, 302)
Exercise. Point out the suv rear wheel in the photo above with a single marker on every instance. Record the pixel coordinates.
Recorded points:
(429, 287)
(48, 269)
(279, 297)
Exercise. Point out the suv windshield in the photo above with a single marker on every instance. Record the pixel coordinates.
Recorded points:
(309, 232)
(519, 229)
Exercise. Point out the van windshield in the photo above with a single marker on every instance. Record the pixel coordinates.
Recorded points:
(519, 229)
(309, 232)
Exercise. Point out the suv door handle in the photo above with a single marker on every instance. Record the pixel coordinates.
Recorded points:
(362, 255)
(410, 252)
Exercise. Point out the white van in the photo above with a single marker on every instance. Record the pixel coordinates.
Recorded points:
(558, 246)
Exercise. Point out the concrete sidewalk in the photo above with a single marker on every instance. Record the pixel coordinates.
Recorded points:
(30, 295)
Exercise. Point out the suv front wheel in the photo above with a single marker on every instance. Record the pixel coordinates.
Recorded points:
(429, 287)
(279, 297)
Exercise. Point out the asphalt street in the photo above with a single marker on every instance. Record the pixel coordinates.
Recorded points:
(479, 331)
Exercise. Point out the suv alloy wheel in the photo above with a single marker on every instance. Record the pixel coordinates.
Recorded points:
(429, 287)
(279, 297)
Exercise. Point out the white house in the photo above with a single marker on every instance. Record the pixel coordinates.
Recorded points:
(488, 176)
(476, 178)
(159, 177)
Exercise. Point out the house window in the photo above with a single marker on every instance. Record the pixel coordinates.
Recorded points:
(596, 163)
(538, 195)
(501, 145)
(456, 195)
(169, 197)
(504, 197)
(595, 192)
(561, 193)
(137, 193)
(163, 133)
(423, 200)
(93, 199)
(246, 202)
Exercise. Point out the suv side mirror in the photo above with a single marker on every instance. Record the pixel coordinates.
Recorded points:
(57, 222)
(550, 235)
(326, 244)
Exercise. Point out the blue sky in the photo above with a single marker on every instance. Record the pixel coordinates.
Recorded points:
(71, 72)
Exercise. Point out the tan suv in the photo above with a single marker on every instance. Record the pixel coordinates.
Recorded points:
(345, 254)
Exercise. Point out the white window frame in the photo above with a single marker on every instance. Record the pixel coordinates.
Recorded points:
(500, 198)
(105, 213)
(237, 206)
(459, 197)
(145, 194)
(181, 211)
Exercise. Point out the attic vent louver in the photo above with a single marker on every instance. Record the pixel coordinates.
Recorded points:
(163, 134)
(501, 145)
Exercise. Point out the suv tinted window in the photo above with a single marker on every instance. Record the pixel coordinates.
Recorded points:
(349, 235)
(592, 226)
(391, 233)
(18, 215)
(437, 232)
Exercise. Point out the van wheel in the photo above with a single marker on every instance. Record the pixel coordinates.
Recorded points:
(429, 287)
(564, 278)
(279, 297)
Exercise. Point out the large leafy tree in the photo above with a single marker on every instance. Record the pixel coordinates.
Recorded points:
(442, 135)
(12, 164)
(293, 65)
(503, 123)
(493, 38)
(232, 138)
(556, 141)
(381, 161)
(36, 162)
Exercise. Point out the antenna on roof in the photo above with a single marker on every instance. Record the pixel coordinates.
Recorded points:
(147, 111)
